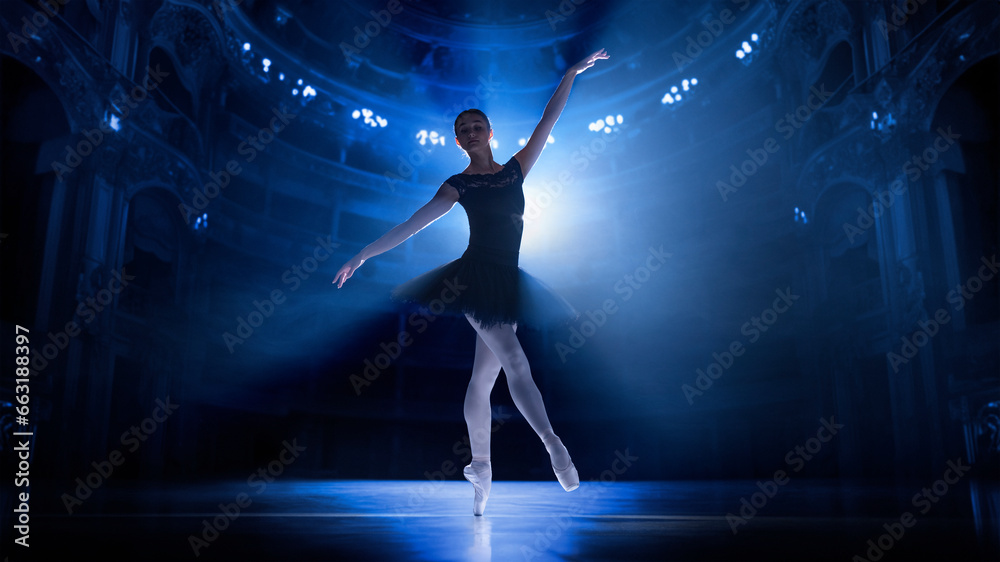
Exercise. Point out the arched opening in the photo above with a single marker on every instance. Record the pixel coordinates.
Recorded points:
(838, 68)
(173, 89)
(28, 121)
(968, 116)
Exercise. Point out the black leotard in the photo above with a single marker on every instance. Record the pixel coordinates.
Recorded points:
(486, 282)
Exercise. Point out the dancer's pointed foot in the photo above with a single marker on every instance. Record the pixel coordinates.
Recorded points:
(567, 475)
(480, 474)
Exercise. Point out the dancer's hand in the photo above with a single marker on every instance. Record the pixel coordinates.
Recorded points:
(587, 62)
(347, 270)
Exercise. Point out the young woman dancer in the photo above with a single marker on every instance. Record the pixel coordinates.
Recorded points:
(486, 285)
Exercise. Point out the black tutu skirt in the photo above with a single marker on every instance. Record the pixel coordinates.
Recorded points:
(487, 284)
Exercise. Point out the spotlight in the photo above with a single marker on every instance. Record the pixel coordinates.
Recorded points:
(673, 95)
(883, 125)
(607, 124)
(747, 48)
(433, 136)
(111, 118)
(201, 223)
(369, 115)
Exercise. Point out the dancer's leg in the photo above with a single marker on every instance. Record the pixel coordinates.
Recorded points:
(485, 369)
(478, 418)
(502, 341)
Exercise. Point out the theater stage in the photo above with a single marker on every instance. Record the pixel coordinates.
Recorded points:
(423, 520)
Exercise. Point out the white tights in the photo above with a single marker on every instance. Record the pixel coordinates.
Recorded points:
(495, 348)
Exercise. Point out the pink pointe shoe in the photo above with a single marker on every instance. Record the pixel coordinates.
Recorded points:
(567, 477)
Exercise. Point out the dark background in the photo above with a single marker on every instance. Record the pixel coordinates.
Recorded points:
(650, 181)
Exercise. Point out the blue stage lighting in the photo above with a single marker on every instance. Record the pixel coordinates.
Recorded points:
(112, 120)
(370, 117)
(433, 137)
(201, 223)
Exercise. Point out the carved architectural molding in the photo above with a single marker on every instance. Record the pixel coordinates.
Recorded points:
(908, 90)
(813, 25)
(194, 39)
(151, 144)
(911, 99)
(809, 29)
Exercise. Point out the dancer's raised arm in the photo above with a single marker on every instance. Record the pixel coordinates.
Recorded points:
(441, 203)
(527, 156)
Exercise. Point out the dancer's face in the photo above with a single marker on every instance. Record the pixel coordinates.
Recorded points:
(472, 132)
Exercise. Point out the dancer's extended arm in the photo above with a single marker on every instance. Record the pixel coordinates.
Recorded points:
(441, 203)
(527, 156)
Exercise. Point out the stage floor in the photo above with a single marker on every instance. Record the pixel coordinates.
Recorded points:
(424, 520)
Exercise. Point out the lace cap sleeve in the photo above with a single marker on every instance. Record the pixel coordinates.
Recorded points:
(458, 182)
(516, 166)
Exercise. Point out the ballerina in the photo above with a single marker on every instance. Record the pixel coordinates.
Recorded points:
(486, 285)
